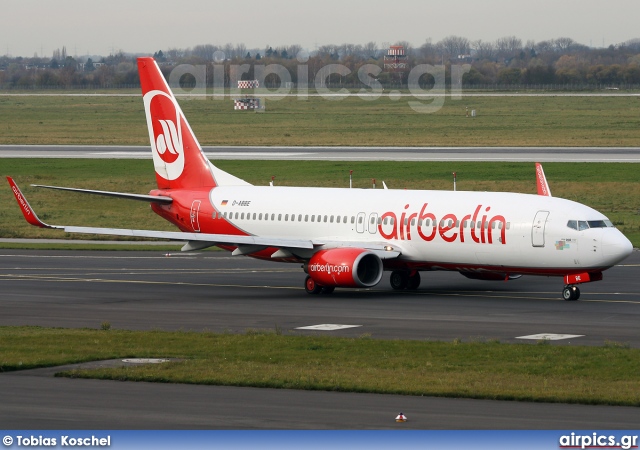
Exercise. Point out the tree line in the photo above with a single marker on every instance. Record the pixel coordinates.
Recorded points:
(504, 62)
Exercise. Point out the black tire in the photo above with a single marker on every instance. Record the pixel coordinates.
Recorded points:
(414, 281)
(311, 286)
(570, 293)
(328, 290)
(399, 279)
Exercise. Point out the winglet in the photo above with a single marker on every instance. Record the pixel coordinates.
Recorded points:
(541, 180)
(27, 210)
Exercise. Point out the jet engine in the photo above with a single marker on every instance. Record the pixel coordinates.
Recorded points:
(345, 267)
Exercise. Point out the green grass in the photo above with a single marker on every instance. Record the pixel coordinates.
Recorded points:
(612, 188)
(501, 121)
(490, 370)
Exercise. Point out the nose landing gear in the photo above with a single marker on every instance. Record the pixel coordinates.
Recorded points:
(571, 293)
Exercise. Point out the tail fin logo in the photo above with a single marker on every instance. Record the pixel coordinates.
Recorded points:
(168, 141)
(165, 123)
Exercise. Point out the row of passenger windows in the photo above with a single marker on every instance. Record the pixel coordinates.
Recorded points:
(345, 219)
(285, 217)
(586, 224)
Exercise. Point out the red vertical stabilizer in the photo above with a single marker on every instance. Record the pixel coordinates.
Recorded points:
(177, 157)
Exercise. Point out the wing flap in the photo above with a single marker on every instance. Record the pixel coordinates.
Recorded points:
(214, 239)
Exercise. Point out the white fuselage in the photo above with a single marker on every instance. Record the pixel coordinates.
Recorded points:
(444, 229)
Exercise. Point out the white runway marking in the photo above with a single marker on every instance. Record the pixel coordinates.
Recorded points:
(550, 336)
(327, 327)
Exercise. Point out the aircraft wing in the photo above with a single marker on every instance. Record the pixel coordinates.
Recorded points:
(195, 241)
(144, 198)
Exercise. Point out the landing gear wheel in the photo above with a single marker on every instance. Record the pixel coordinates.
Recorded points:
(311, 286)
(399, 279)
(414, 281)
(571, 293)
(327, 290)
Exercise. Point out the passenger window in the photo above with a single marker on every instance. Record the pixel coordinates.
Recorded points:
(260, 216)
(353, 219)
(359, 219)
(331, 219)
(286, 217)
(273, 216)
(306, 217)
(508, 225)
(344, 219)
(313, 217)
(573, 224)
(325, 219)
(279, 217)
(338, 219)
(299, 217)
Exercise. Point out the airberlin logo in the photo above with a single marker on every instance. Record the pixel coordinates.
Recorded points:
(329, 268)
(21, 200)
(479, 226)
(165, 131)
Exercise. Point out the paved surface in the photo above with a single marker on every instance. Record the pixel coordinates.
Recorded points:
(524, 154)
(214, 291)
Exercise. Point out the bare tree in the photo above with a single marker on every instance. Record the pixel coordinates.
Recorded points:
(370, 50)
(508, 47)
(484, 50)
(563, 44)
(453, 46)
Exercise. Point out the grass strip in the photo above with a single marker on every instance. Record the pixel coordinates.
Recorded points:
(501, 121)
(489, 370)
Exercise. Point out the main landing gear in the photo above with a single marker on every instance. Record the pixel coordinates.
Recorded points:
(405, 279)
(571, 293)
(314, 288)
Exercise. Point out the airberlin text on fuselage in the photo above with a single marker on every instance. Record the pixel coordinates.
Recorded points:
(478, 227)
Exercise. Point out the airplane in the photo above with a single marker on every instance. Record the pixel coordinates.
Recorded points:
(347, 238)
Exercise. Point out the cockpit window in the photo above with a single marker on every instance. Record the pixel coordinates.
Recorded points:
(599, 224)
(586, 224)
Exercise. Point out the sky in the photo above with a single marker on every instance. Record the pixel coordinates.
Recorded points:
(31, 27)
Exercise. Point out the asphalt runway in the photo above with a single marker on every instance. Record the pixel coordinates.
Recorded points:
(516, 154)
(214, 291)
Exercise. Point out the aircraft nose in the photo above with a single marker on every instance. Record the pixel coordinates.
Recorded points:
(615, 247)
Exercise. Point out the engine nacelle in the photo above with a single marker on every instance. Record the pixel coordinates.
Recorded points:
(345, 267)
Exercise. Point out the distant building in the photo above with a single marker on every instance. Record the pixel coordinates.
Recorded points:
(396, 59)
